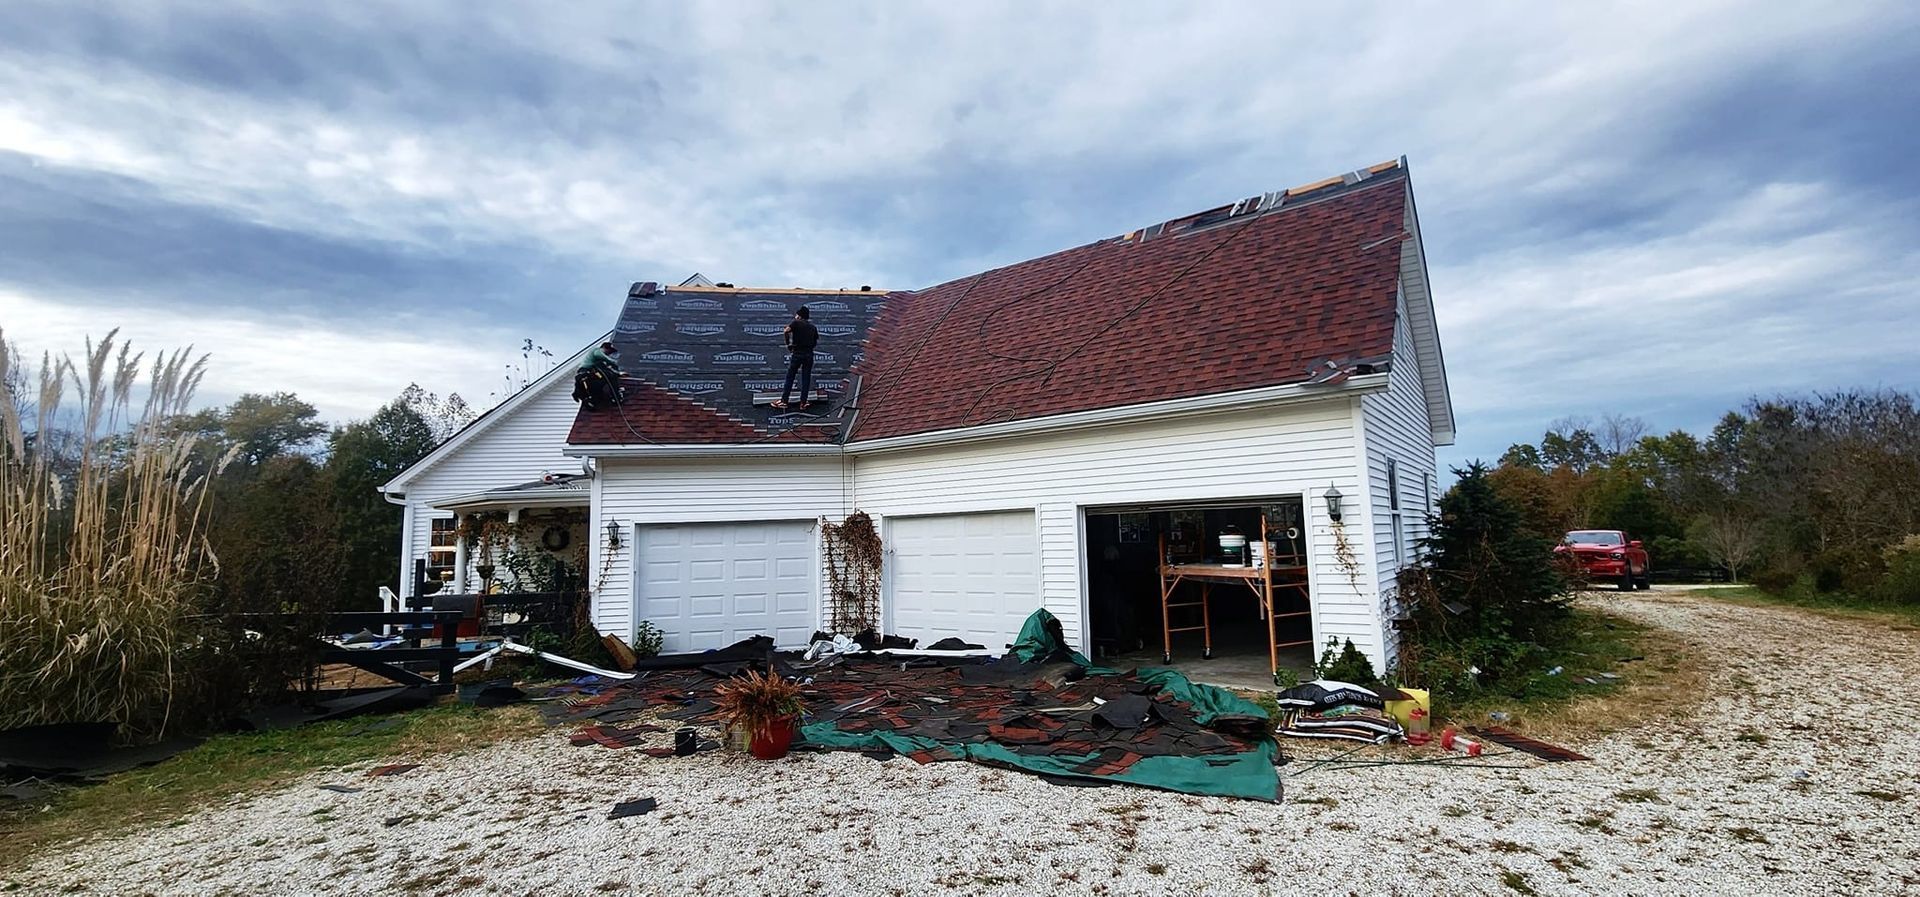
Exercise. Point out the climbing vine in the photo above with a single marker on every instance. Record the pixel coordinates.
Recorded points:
(853, 555)
(1344, 556)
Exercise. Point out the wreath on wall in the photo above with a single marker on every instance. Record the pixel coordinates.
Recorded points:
(556, 538)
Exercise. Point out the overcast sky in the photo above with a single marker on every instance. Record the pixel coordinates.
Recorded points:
(1657, 211)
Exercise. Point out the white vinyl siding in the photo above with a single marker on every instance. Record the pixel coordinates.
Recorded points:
(520, 445)
(632, 493)
(1285, 450)
(1399, 446)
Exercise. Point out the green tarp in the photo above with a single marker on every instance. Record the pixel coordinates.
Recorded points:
(1250, 774)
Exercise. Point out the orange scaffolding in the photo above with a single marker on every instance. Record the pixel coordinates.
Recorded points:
(1274, 578)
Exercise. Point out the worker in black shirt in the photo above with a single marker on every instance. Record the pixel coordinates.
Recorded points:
(800, 336)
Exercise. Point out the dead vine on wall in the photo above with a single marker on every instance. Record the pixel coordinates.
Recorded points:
(853, 554)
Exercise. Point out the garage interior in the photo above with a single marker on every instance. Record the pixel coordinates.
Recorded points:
(1132, 551)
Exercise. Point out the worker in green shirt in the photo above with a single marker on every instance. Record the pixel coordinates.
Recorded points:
(597, 383)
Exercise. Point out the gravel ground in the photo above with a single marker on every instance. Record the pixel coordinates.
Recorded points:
(1799, 778)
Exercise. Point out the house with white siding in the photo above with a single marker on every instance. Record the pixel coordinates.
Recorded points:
(1061, 433)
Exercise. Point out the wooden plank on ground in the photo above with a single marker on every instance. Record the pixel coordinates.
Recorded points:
(623, 656)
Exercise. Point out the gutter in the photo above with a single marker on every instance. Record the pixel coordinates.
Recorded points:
(715, 450)
(1284, 394)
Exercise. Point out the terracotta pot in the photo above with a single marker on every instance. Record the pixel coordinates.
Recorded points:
(772, 742)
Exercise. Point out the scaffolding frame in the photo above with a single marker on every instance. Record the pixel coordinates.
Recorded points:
(1268, 580)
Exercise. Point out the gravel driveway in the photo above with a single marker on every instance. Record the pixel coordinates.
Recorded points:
(1799, 779)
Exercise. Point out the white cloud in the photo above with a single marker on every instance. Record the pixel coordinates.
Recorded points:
(773, 143)
(1707, 311)
(345, 371)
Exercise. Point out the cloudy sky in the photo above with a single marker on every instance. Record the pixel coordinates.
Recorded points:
(1657, 210)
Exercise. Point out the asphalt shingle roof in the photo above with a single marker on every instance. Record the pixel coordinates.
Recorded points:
(1212, 303)
(1258, 293)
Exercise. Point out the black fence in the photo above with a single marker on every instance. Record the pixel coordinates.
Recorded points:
(417, 627)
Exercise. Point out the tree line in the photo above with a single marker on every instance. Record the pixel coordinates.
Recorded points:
(1816, 493)
(139, 531)
(297, 518)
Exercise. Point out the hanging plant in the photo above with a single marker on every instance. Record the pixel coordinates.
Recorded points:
(853, 554)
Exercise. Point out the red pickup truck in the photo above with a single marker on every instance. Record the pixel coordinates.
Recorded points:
(1607, 554)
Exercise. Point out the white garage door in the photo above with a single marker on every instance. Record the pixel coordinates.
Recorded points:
(973, 576)
(710, 585)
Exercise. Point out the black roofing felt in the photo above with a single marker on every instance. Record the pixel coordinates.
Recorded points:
(720, 347)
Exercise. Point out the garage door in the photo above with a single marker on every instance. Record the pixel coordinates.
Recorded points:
(973, 576)
(710, 585)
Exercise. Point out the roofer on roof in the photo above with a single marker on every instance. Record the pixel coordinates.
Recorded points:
(597, 383)
(800, 336)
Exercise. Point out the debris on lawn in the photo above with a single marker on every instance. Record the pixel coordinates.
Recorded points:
(613, 736)
(341, 789)
(77, 751)
(392, 769)
(1532, 747)
(497, 694)
(382, 700)
(1454, 741)
(28, 789)
(1326, 708)
(1039, 708)
(639, 807)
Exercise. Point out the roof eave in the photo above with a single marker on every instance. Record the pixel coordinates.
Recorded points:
(703, 450)
(478, 501)
(487, 420)
(1265, 396)
(1433, 365)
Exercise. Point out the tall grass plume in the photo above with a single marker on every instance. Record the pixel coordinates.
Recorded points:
(102, 536)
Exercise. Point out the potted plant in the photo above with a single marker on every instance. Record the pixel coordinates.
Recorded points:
(764, 706)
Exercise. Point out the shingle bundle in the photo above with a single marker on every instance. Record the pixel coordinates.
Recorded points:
(1326, 708)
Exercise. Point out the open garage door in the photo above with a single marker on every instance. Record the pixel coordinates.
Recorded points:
(709, 585)
(972, 576)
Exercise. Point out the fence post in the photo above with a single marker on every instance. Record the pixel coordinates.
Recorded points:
(450, 640)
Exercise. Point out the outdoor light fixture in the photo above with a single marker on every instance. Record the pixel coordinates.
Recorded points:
(1333, 503)
(613, 533)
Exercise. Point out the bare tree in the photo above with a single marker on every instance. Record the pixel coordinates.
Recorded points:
(1729, 538)
(1619, 433)
(15, 383)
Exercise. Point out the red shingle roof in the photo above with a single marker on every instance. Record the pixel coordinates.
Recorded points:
(654, 414)
(1217, 302)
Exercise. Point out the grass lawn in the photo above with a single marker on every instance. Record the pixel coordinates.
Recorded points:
(1598, 644)
(231, 765)
(1648, 662)
(1830, 603)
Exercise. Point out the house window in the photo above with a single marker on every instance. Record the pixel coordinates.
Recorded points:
(441, 549)
(1393, 512)
(1426, 510)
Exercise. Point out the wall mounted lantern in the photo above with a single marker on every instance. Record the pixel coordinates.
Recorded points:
(613, 534)
(1333, 503)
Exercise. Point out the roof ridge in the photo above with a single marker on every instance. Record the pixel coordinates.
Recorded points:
(1265, 203)
(805, 291)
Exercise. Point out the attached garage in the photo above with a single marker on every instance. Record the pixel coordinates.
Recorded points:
(710, 585)
(972, 576)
